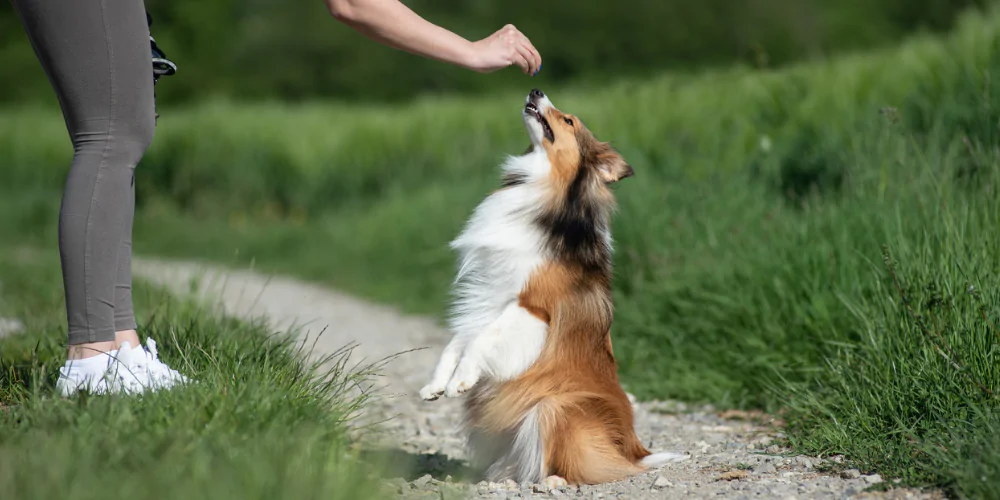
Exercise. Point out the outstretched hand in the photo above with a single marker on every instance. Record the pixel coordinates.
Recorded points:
(394, 24)
(503, 48)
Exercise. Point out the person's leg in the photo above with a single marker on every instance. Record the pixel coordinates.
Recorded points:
(124, 315)
(97, 57)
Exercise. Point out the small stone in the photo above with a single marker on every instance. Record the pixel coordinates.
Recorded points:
(422, 481)
(850, 474)
(510, 484)
(733, 475)
(765, 468)
(716, 428)
(804, 462)
(766, 440)
(539, 488)
(494, 486)
(662, 482)
(773, 449)
(872, 479)
(733, 445)
(751, 446)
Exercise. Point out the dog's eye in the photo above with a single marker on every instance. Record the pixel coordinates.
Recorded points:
(569, 121)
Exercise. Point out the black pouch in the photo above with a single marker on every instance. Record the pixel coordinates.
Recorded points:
(161, 65)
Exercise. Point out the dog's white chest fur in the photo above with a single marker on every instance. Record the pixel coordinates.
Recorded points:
(499, 249)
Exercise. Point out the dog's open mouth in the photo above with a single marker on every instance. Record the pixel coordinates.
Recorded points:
(532, 110)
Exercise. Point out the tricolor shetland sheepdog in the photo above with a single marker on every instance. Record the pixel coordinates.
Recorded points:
(532, 316)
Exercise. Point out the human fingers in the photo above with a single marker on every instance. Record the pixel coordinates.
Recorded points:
(513, 36)
(530, 67)
(533, 57)
(537, 57)
(512, 40)
(521, 59)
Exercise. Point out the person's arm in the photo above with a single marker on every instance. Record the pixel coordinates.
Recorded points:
(393, 24)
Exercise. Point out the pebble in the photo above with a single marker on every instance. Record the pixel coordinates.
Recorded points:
(872, 479)
(804, 462)
(850, 474)
(662, 482)
(773, 449)
(733, 475)
(765, 468)
(422, 481)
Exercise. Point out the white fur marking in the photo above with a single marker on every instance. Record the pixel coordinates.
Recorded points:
(499, 248)
(657, 460)
(523, 457)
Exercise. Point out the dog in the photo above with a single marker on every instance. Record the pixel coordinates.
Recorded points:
(531, 319)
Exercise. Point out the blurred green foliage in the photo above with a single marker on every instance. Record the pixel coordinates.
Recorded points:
(255, 49)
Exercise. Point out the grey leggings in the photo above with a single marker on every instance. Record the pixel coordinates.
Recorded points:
(96, 54)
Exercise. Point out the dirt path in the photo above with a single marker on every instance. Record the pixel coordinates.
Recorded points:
(730, 458)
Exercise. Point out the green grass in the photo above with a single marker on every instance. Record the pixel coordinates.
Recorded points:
(801, 241)
(259, 423)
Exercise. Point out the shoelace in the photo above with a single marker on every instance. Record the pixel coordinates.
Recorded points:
(156, 368)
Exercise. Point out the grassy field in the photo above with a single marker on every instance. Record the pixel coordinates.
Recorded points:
(260, 423)
(820, 241)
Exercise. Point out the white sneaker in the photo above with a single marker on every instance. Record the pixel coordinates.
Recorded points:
(157, 373)
(128, 370)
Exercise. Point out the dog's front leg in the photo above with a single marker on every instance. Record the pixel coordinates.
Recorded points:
(444, 369)
(470, 367)
(504, 350)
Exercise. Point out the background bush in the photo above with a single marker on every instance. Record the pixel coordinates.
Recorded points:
(254, 49)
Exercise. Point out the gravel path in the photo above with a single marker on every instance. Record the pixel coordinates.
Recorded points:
(730, 457)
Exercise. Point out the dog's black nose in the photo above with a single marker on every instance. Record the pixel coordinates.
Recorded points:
(537, 94)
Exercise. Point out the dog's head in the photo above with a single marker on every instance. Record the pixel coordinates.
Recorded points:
(572, 149)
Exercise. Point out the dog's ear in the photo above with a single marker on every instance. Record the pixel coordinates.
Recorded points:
(612, 167)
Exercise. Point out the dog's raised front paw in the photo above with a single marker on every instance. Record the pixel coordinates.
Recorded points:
(430, 392)
(460, 385)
